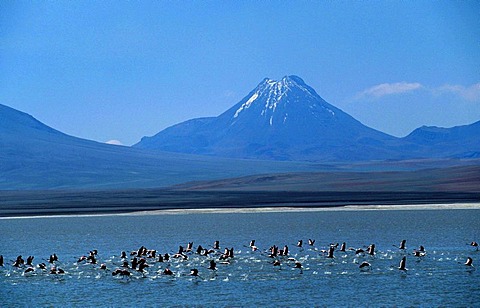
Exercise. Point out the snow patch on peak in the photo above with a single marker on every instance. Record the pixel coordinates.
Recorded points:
(273, 95)
(329, 110)
(246, 104)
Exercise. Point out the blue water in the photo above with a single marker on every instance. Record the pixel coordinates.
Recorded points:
(438, 279)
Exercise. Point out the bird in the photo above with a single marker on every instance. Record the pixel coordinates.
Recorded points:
(311, 242)
(358, 251)
(206, 252)
(180, 254)
(91, 258)
(53, 258)
(335, 245)
(343, 247)
(121, 272)
(330, 252)
(134, 263)
(228, 253)
(273, 251)
(474, 244)
(365, 266)
(299, 243)
(152, 254)
(30, 260)
(213, 265)
(167, 271)
(42, 266)
(299, 266)
(402, 244)
(19, 261)
(402, 264)
(81, 259)
(277, 263)
(371, 249)
(116, 272)
(141, 251)
(419, 253)
(142, 265)
(216, 245)
(56, 270)
(469, 262)
(194, 272)
(252, 245)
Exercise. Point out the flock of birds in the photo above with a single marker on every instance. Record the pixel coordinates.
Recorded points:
(137, 263)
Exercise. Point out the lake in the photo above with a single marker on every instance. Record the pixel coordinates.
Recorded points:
(439, 278)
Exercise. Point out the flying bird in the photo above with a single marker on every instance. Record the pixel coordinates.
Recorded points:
(469, 262)
(402, 264)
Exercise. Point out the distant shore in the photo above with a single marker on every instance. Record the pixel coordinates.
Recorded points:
(398, 207)
(147, 202)
(456, 206)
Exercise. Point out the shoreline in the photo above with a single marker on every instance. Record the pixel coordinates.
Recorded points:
(82, 203)
(265, 209)
(286, 209)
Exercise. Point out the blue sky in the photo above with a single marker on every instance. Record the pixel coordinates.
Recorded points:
(121, 70)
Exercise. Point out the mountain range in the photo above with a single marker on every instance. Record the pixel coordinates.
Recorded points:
(287, 120)
(279, 127)
(35, 156)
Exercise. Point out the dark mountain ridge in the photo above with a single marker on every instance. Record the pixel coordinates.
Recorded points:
(459, 141)
(36, 156)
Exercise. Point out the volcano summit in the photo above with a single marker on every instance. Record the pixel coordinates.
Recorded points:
(278, 120)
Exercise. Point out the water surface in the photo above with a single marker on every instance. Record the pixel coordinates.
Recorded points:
(438, 279)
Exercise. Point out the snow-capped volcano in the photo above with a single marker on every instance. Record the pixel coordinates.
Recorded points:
(288, 102)
(281, 120)
(273, 99)
(288, 120)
